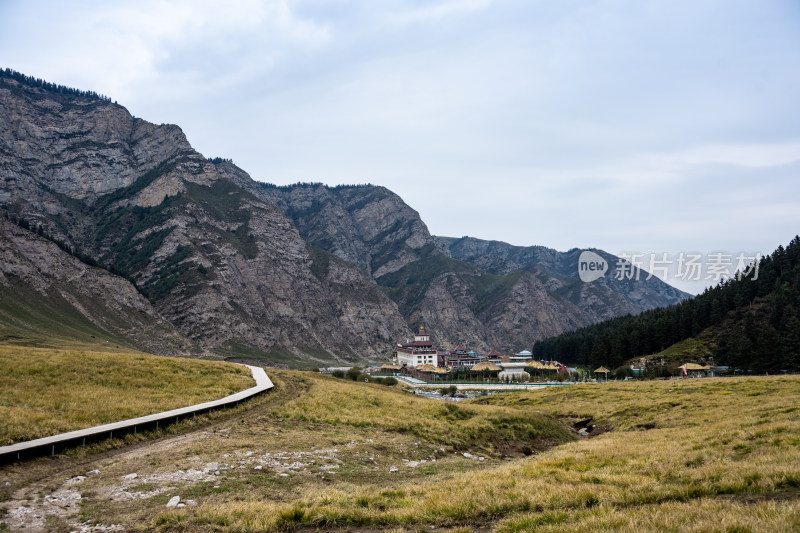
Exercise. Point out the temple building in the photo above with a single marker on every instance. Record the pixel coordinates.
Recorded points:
(419, 352)
(460, 356)
(522, 357)
(495, 357)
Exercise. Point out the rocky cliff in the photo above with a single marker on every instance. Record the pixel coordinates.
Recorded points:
(368, 226)
(619, 296)
(225, 266)
(47, 293)
(243, 268)
(486, 294)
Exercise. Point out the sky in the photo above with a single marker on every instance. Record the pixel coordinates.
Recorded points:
(642, 126)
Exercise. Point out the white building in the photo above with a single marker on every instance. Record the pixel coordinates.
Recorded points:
(421, 351)
(522, 357)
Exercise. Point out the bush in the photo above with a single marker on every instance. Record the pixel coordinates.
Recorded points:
(390, 382)
(448, 391)
(623, 372)
(353, 374)
(337, 374)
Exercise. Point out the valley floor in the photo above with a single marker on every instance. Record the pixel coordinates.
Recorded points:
(321, 453)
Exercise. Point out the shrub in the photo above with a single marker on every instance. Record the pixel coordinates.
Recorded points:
(623, 372)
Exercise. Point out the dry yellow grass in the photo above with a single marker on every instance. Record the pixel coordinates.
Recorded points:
(712, 447)
(341, 402)
(45, 391)
(701, 515)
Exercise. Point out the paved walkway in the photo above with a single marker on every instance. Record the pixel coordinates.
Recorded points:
(48, 445)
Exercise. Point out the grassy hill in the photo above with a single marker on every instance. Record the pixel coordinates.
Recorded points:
(28, 319)
(45, 391)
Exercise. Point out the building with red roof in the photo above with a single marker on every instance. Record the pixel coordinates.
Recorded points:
(493, 357)
(419, 352)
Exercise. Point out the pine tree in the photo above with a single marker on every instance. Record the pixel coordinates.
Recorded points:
(740, 349)
(790, 345)
(767, 350)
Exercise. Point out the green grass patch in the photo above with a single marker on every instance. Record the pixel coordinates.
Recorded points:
(692, 349)
(333, 401)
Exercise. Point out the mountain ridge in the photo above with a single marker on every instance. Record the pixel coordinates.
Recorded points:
(461, 299)
(316, 272)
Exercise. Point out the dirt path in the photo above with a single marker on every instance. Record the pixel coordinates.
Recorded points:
(45, 494)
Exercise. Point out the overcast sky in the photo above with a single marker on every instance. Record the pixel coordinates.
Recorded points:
(661, 127)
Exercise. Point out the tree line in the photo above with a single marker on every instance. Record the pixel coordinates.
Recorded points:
(51, 87)
(755, 320)
(312, 184)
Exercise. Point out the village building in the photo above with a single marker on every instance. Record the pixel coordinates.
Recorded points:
(695, 370)
(419, 352)
(494, 357)
(513, 374)
(394, 370)
(461, 357)
(522, 357)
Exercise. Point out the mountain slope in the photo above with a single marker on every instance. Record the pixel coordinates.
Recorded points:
(467, 291)
(45, 293)
(368, 226)
(751, 323)
(226, 267)
(243, 268)
(621, 295)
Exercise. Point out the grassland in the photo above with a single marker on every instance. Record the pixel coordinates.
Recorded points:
(705, 455)
(316, 452)
(45, 391)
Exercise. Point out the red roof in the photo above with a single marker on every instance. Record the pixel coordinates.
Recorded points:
(492, 354)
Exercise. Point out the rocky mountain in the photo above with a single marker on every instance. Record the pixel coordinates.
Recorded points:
(46, 292)
(502, 258)
(467, 291)
(241, 268)
(614, 295)
(368, 226)
(226, 267)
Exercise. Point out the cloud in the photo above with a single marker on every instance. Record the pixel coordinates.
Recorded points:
(166, 49)
(656, 126)
(749, 155)
(434, 11)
